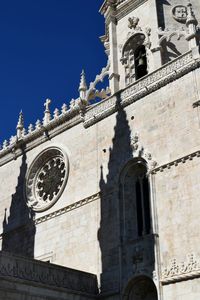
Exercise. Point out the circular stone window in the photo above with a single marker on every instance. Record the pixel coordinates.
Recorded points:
(46, 179)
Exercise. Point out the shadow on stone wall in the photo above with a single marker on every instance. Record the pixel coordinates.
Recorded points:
(122, 259)
(19, 228)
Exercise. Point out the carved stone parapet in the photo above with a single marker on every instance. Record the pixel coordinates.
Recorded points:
(176, 272)
(100, 111)
(92, 92)
(33, 271)
(40, 134)
(161, 77)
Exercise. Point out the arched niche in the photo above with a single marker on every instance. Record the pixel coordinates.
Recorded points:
(135, 200)
(141, 288)
(134, 58)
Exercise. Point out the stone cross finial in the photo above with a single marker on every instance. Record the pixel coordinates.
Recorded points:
(47, 114)
(20, 125)
(47, 104)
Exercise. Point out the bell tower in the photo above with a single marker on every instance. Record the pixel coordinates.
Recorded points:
(141, 36)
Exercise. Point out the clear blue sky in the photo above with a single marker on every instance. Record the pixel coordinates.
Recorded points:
(44, 46)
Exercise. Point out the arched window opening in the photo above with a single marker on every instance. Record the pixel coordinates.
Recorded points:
(142, 288)
(134, 58)
(140, 62)
(136, 201)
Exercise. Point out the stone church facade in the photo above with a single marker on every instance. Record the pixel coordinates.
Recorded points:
(101, 199)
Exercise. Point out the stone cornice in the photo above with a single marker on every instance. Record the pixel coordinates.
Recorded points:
(143, 87)
(57, 213)
(176, 162)
(125, 7)
(122, 7)
(68, 208)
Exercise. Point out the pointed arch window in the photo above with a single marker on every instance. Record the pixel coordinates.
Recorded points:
(136, 217)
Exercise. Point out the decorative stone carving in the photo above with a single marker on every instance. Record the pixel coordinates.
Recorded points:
(92, 92)
(106, 42)
(134, 141)
(136, 37)
(139, 151)
(46, 179)
(179, 13)
(181, 271)
(190, 33)
(133, 22)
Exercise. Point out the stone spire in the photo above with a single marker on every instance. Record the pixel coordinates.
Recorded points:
(191, 23)
(83, 86)
(20, 125)
(47, 113)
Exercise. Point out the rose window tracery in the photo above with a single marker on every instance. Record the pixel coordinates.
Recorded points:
(46, 179)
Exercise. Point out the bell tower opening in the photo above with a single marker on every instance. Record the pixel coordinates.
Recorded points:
(140, 62)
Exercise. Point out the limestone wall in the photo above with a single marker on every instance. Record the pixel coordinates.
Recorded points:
(82, 229)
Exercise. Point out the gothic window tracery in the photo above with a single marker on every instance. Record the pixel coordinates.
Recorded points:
(46, 179)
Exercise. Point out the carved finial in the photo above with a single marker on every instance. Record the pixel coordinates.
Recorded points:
(23, 131)
(5, 144)
(190, 15)
(47, 113)
(83, 86)
(72, 103)
(64, 108)
(191, 23)
(12, 139)
(56, 113)
(20, 125)
(30, 128)
(38, 124)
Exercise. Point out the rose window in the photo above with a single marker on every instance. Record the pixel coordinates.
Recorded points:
(46, 179)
